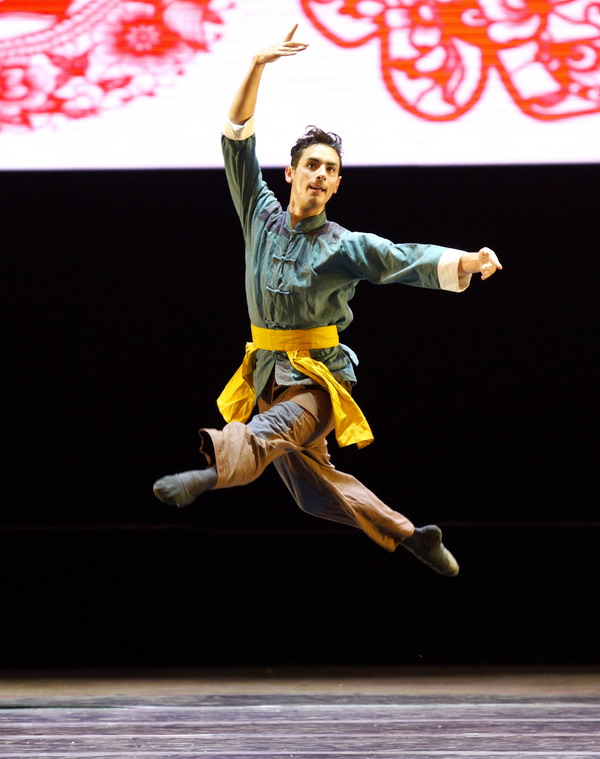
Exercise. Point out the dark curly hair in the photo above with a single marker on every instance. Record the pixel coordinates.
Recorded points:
(315, 136)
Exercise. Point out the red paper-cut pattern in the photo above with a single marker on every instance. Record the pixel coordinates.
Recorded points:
(47, 7)
(436, 55)
(81, 57)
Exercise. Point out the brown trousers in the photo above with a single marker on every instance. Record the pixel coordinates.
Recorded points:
(290, 431)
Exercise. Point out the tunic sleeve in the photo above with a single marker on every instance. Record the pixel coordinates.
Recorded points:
(249, 191)
(382, 262)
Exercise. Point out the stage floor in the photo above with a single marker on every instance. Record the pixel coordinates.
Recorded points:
(302, 713)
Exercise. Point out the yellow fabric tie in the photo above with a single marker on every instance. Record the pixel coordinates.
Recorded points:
(237, 399)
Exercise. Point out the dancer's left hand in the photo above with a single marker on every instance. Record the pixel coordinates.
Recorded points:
(488, 263)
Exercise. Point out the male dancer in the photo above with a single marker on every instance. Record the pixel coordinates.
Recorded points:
(301, 271)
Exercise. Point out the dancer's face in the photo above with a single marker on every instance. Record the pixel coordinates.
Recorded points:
(314, 180)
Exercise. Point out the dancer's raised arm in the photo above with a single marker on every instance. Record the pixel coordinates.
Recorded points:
(244, 102)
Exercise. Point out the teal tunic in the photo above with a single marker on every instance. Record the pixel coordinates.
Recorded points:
(304, 276)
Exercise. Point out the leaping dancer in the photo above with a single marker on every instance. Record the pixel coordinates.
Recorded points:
(301, 272)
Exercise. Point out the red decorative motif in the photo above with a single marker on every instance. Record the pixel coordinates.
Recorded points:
(436, 55)
(69, 59)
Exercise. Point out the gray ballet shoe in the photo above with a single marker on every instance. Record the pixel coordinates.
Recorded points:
(183, 488)
(426, 544)
(172, 490)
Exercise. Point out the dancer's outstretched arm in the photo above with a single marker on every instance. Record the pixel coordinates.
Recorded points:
(244, 102)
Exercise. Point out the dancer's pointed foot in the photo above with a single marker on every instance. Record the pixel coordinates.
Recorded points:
(183, 488)
(426, 544)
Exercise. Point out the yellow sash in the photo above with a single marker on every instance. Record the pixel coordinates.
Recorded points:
(237, 399)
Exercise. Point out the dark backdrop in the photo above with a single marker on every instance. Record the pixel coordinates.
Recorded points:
(124, 317)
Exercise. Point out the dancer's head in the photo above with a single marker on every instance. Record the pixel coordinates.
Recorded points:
(314, 173)
(315, 136)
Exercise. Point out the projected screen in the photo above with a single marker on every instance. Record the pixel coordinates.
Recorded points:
(88, 84)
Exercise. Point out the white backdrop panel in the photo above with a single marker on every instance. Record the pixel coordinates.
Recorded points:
(102, 84)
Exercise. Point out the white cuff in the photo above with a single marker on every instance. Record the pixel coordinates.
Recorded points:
(448, 271)
(239, 131)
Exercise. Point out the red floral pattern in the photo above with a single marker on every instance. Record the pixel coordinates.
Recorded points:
(436, 55)
(83, 57)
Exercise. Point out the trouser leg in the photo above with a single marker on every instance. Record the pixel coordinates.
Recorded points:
(241, 452)
(323, 491)
(291, 433)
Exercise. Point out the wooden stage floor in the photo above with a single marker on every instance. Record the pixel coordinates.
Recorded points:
(302, 713)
